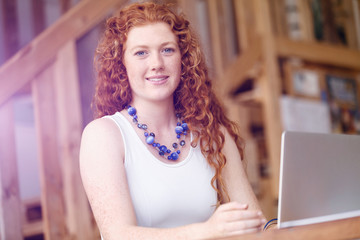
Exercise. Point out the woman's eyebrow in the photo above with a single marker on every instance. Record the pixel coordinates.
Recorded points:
(146, 46)
(137, 46)
(168, 43)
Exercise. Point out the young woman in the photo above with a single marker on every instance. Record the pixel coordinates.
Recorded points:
(161, 161)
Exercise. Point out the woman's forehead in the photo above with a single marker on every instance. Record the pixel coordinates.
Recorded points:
(150, 33)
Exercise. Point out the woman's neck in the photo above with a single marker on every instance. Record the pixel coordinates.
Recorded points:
(157, 115)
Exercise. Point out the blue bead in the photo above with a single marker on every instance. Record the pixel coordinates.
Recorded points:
(163, 148)
(144, 126)
(178, 124)
(182, 142)
(168, 151)
(175, 145)
(131, 111)
(178, 151)
(178, 136)
(154, 144)
(135, 120)
(161, 153)
(185, 126)
(150, 139)
(174, 156)
(169, 157)
(152, 134)
(139, 125)
(179, 130)
(158, 145)
(146, 134)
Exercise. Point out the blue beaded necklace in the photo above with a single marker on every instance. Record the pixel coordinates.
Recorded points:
(180, 129)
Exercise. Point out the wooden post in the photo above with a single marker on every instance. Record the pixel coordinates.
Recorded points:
(216, 32)
(11, 35)
(189, 8)
(10, 203)
(65, 5)
(38, 16)
(270, 85)
(240, 16)
(70, 129)
(46, 122)
(215, 37)
(245, 23)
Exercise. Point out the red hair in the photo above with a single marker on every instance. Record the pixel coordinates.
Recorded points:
(194, 98)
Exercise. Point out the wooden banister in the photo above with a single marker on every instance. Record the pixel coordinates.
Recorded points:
(236, 73)
(10, 212)
(49, 65)
(33, 58)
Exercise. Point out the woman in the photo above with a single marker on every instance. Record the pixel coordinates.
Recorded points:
(161, 161)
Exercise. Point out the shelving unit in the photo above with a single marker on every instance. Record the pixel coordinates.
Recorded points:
(259, 61)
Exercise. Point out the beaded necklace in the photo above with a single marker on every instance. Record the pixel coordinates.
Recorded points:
(180, 130)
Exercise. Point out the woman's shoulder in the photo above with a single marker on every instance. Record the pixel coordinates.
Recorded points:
(101, 131)
(229, 140)
(101, 142)
(99, 127)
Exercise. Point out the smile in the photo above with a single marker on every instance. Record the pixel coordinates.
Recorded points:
(157, 78)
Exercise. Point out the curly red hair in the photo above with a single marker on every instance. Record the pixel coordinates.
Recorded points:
(194, 98)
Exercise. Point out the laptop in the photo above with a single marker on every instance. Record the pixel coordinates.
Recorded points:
(319, 178)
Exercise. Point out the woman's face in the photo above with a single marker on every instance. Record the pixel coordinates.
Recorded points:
(153, 62)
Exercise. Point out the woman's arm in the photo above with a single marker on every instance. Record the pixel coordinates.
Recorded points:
(104, 178)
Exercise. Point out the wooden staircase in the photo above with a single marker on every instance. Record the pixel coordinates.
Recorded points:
(48, 66)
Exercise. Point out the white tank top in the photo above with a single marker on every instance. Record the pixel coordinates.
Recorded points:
(166, 195)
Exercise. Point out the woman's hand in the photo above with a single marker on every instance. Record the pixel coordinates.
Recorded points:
(234, 218)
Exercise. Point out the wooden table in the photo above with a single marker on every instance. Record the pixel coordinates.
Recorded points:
(340, 229)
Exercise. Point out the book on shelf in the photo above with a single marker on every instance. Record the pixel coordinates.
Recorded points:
(332, 21)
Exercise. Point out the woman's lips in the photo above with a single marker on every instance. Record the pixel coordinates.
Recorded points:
(158, 79)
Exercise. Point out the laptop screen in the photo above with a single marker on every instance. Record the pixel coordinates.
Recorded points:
(319, 178)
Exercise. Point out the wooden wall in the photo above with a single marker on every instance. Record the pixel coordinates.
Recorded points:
(47, 67)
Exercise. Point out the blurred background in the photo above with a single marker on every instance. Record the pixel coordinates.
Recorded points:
(277, 65)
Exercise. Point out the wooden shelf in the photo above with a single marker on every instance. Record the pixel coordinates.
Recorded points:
(316, 52)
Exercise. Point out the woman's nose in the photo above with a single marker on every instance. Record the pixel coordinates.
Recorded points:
(156, 62)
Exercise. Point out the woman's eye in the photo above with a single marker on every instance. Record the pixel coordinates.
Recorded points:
(168, 50)
(140, 53)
